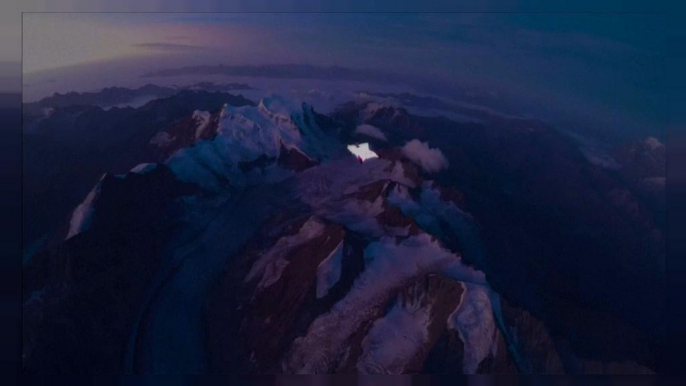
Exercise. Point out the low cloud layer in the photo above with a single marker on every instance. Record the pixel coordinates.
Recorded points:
(431, 160)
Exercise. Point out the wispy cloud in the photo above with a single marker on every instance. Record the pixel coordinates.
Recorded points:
(170, 47)
(179, 37)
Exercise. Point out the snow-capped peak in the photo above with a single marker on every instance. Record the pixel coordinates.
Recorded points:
(247, 134)
(653, 143)
(372, 108)
(276, 105)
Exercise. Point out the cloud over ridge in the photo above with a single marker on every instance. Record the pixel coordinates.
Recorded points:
(430, 159)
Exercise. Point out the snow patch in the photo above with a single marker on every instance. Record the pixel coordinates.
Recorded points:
(389, 264)
(82, 216)
(653, 143)
(359, 216)
(278, 108)
(203, 120)
(329, 271)
(144, 168)
(372, 107)
(331, 191)
(431, 160)
(594, 152)
(431, 210)
(597, 156)
(394, 339)
(161, 139)
(371, 131)
(48, 112)
(271, 264)
(135, 102)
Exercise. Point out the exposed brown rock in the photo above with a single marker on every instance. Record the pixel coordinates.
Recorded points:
(182, 134)
(503, 362)
(275, 309)
(396, 121)
(370, 192)
(211, 130)
(452, 194)
(392, 217)
(270, 317)
(348, 363)
(499, 363)
(442, 296)
(412, 172)
(389, 153)
(294, 159)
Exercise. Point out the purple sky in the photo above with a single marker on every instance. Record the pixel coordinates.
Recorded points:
(608, 66)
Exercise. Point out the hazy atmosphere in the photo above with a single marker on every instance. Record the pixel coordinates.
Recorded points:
(365, 193)
(601, 71)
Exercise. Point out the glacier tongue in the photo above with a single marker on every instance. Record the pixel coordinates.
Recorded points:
(474, 322)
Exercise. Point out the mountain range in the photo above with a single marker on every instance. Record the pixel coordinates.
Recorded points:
(203, 232)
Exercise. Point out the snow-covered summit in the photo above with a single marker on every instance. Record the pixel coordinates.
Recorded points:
(253, 134)
(653, 143)
(279, 107)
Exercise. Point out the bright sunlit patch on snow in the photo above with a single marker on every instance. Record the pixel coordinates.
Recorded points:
(362, 150)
